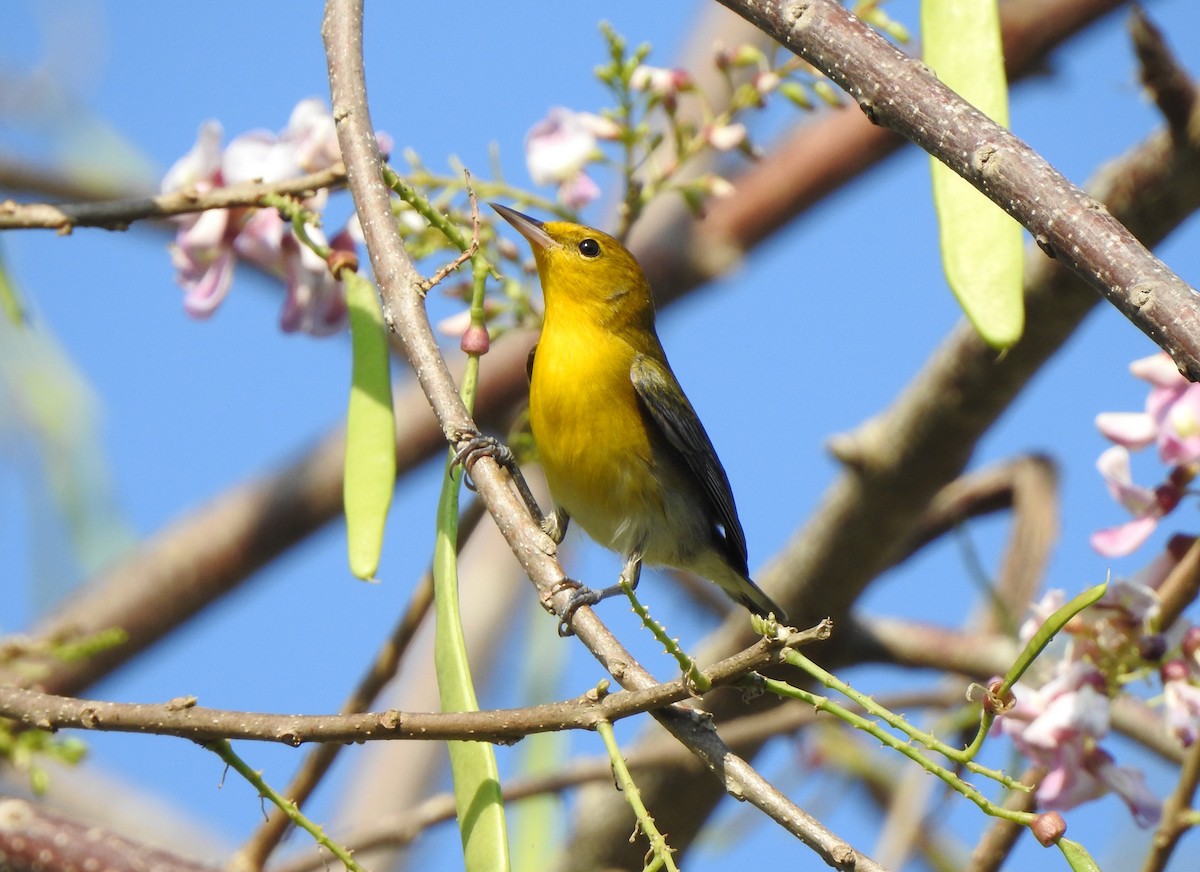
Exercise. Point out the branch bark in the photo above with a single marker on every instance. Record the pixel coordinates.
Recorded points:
(32, 840)
(899, 92)
(185, 719)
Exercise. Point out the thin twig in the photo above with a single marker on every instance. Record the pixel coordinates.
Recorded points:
(119, 214)
(1177, 814)
(225, 751)
(468, 252)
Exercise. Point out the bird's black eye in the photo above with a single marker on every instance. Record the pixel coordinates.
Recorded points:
(589, 248)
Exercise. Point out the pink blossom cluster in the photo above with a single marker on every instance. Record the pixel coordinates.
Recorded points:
(1171, 421)
(559, 148)
(1059, 725)
(208, 244)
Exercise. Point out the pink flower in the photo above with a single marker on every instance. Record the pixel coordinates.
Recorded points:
(1172, 416)
(316, 301)
(558, 148)
(660, 81)
(208, 244)
(203, 261)
(1181, 702)
(1146, 505)
(724, 137)
(1058, 727)
(199, 168)
(1172, 421)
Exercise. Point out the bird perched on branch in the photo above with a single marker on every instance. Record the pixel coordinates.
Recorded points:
(623, 451)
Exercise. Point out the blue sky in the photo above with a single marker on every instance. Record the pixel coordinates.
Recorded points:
(823, 326)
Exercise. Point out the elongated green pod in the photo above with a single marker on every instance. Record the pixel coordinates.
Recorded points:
(982, 251)
(477, 798)
(370, 466)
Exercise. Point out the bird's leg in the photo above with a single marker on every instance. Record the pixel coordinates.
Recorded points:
(581, 596)
(556, 525)
(473, 445)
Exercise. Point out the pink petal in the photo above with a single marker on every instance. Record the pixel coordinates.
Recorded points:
(206, 293)
(1068, 784)
(558, 147)
(1113, 464)
(312, 130)
(260, 156)
(260, 240)
(577, 192)
(200, 164)
(1159, 370)
(1125, 539)
(1134, 430)
(1129, 784)
(204, 232)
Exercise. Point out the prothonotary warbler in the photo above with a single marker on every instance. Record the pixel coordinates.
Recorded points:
(623, 451)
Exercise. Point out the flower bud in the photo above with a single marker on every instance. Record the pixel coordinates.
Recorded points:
(475, 340)
(340, 259)
(1048, 828)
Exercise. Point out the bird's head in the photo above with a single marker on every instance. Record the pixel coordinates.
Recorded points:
(582, 266)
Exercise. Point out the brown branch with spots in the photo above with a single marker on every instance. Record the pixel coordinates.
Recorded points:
(899, 92)
(185, 719)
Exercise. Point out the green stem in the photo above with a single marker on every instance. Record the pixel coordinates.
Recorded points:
(225, 751)
(896, 722)
(910, 751)
(699, 681)
(658, 842)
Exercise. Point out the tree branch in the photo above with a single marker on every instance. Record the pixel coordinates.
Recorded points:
(119, 214)
(185, 719)
(826, 152)
(32, 840)
(899, 92)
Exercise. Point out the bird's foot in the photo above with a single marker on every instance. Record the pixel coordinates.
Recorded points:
(473, 446)
(581, 595)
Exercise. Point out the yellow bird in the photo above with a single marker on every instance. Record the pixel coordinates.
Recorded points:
(623, 451)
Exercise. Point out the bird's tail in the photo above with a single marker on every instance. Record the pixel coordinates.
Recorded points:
(749, 594)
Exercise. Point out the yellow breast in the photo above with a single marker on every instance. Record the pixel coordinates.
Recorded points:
(590, 434)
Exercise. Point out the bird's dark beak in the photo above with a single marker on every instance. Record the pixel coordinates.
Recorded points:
(530, 228)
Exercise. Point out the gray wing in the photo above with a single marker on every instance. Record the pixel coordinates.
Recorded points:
(676, 420)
